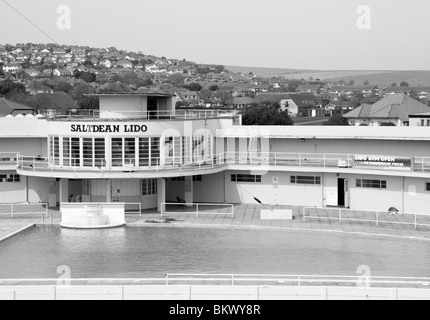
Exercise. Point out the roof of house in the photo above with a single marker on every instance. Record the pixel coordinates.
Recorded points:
(306, 87)
(398, 106)
(242, 100)
(38, 86)
(352, 88)
(405, 89)
(8, 107)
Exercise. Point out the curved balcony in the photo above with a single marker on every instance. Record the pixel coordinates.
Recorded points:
(169, 167)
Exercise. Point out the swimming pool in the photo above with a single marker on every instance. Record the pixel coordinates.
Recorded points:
(140, 252)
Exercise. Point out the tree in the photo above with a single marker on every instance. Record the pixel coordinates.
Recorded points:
(394, 84)
(63, 86)
(351, 83)
(225, 97)
(177, 79)
(367, 83)
(214, 88)
(337, 120)
(388, 124)
(265, 114)
(8, 88)
(193, 86)
(404, 84)
(89, 103)
(205, 95)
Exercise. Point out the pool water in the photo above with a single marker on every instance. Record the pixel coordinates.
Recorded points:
(140, 252)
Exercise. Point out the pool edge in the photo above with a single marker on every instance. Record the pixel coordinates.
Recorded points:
(13, 234)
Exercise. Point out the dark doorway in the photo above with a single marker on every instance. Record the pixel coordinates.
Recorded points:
(341, 192)
(152, 108)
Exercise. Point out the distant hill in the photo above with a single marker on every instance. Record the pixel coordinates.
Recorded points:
(376, 77)
(264, 72)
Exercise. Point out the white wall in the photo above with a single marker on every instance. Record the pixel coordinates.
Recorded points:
(269, 193)
(27, 146)
(376, 199)
(12, 192)
(38, 189)
(416, 198)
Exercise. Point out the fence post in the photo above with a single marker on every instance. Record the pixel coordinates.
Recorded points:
(416, 221)
(162, 209)
(11, 210)
(304, 214)
(340, 216)
(377, 218)
(197, 209)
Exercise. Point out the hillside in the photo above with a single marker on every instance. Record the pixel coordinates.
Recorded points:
(383, 78)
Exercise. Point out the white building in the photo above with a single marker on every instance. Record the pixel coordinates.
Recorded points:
(140, 149)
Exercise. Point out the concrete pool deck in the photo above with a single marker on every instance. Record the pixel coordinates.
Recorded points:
(246, 217)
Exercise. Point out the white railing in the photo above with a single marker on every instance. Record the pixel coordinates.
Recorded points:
(374, 217)
(295, 280)
(9, 159)
(14, 210)
(139, 208)
(271, 280)
(156, 115)
(272, 159)
(180, 208)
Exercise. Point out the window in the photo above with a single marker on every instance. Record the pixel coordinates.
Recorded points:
(305, 180)
(372, 184)
(198, 178)
(245, 178)
(86, 188)
(149, 187)
(428, 186)
(99, 152)
(117, 160)
(178, 179)
(87, 151)
(10, 178)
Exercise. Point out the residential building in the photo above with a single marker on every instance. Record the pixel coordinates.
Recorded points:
(395, 109)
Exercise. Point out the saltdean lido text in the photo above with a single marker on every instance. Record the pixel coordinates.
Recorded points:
(103, 128)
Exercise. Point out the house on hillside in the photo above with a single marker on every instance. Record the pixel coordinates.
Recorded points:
(36, 87)
(310, 88)
(396, 108)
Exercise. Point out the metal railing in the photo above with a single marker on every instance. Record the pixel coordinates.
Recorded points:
(14, 210)
(295, 280)
(149, 115)
(374, 217)
(269, 280)
(180, 208)
(9, 159)
(182, 163)
(139, 210)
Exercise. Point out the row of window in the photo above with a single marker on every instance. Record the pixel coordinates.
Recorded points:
(372, 184)
(92, 152)
(195, 178)
(8, 178)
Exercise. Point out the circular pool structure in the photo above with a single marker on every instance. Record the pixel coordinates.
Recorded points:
(91, 218)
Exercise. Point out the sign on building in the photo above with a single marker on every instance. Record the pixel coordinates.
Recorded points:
(383, 162)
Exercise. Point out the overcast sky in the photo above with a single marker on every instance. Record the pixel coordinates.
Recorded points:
(300, 34)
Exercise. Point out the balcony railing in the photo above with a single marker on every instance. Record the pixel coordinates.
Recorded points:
(180, 163)
(149, 115)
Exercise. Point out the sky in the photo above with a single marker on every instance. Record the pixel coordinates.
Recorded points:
(300, 34)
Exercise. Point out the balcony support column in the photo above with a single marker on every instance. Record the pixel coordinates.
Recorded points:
(161, 187)
(189, 192)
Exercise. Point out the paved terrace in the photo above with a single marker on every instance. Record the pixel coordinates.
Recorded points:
(246, 217)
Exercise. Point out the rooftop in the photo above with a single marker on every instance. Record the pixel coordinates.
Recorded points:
(398, 106)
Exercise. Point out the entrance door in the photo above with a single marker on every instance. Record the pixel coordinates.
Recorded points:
(341, 192)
